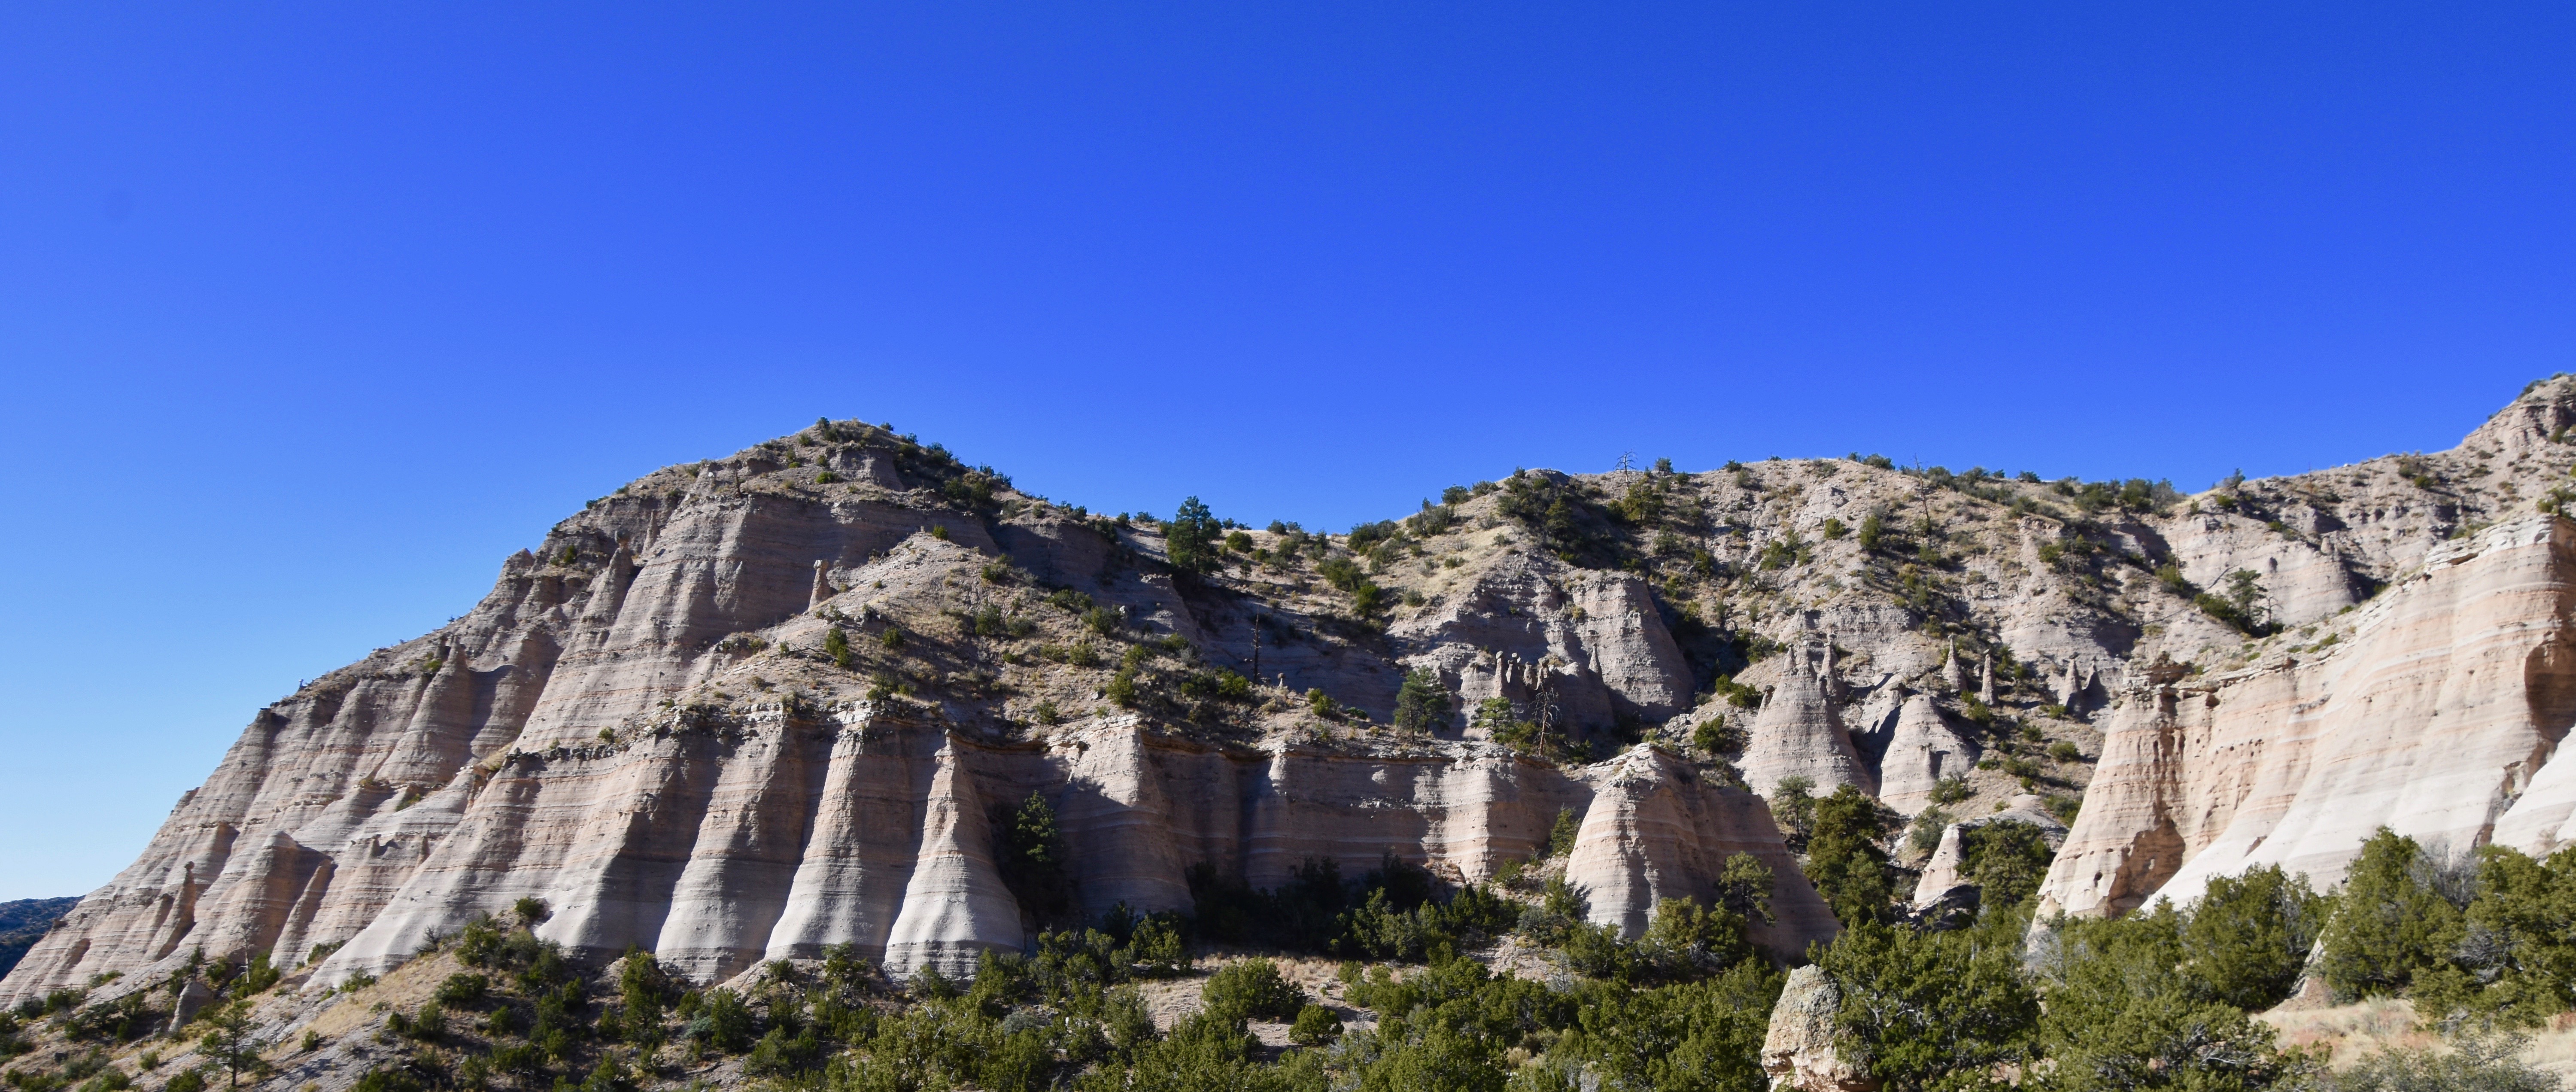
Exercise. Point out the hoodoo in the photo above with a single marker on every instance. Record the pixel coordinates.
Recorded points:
(761, 706)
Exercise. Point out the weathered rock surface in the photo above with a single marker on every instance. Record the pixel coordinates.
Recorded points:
(1798, 1051)
(581, 738)
(645, 723)
(2431, 714)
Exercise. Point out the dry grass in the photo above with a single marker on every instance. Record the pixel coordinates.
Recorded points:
(2354, 1032)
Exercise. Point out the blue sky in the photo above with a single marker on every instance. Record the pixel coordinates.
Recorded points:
(309, 314)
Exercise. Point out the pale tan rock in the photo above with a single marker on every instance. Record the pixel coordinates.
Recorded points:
(1922, 749)
(2432, 719)
(1533, 630)
(1798, 1051)
(1655, 830)
(1799, 733)
(955, 907)
(391, 801)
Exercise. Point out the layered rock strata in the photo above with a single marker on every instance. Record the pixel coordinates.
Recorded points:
(757, 705)
(2436, 711)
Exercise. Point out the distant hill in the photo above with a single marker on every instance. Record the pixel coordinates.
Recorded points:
(25, 921)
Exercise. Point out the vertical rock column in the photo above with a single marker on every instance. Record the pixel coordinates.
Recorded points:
(746, 855)
(955, 906)
(849, 888)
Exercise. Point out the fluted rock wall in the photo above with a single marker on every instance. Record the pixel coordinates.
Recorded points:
(642, 724)
(557, 743)
(2450, 693)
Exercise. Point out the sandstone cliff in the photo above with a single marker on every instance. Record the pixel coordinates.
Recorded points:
(757, 705)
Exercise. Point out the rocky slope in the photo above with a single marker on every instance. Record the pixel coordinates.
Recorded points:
(749, 707)
(25, 921)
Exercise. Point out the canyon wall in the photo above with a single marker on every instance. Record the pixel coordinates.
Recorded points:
(2435, 711)
(746, 708)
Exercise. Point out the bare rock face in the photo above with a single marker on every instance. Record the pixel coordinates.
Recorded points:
(1922, 749)
(1590, 644)
(1798, 1051)
(1946, 869)
(1800, 733)
(2432, 714)
(1655, 830)
(749, 708)
(639, 728)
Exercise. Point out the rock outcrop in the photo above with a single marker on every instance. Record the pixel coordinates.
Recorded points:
(1946, 869)
(2431, 713)
(1799, 1051)
(639, 728)
(753, 707)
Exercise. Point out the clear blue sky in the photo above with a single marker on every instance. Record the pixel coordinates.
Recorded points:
(310, 314)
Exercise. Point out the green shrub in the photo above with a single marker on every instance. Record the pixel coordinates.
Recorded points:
(1924, 1006)
(1793, 808)
(1714, 736)
(724, 1023)
(2516, 962)
(2248, 937)
(1924, 832)
(1422, 704)
(2006, 860)
(1251, 989)
(836, 644)
(1316, 1025)
(2123, 1013)
(1560, 837)
(1844, 859)
(2240, 606)
(2392, 924)
(1217, 684)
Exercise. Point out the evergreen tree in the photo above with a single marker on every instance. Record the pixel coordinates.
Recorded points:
(1190, 539)
(2249, 936)
(1844, 858)
(2391, 924)
(2516, 958)
(1033, 861)
(1930, 1010)
(2124, 1014)
(1793, 807)
(2006, 860)
(1421, 704)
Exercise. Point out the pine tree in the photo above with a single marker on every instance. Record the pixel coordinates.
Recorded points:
(1189, 540)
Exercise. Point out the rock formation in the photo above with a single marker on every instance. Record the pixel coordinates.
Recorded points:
(755, 706)
(1799, 1051)
(1946, 870)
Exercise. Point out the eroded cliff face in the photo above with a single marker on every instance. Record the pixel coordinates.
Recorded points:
(650, 724)
(640, 726)
(2431, 712)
